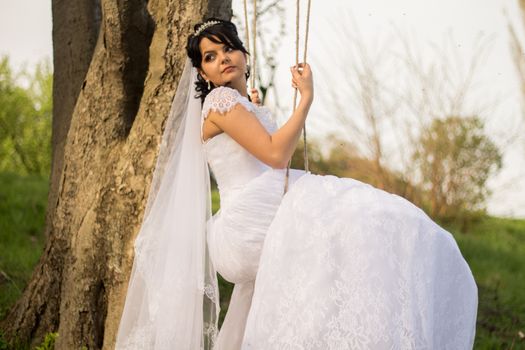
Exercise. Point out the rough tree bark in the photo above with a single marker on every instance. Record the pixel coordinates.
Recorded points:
(116, 65)
(75, 30)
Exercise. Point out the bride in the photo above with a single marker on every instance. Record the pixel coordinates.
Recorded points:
(333, 263)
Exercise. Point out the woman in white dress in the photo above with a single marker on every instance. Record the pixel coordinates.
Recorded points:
(333, 264)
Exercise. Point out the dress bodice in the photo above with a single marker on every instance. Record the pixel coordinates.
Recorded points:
(232, 165)
(250, 192)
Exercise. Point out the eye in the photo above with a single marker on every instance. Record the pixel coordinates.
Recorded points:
(208, 57)
(228, 48)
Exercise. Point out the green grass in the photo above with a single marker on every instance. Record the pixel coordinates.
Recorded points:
(23, 203)
(495, 251)
(493, 247)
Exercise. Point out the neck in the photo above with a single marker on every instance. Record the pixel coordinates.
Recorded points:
(239, 86)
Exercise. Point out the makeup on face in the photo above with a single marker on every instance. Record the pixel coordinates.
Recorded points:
(223, 65)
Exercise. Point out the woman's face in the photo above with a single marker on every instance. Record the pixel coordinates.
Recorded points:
(221, 64)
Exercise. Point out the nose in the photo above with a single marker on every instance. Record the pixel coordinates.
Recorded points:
(225, 58)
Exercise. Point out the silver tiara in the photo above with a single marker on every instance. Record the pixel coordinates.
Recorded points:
(204, 26)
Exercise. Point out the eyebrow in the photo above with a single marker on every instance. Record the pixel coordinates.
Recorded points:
(211, 51)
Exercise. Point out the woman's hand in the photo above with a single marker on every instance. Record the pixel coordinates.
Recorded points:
(302, 79)
(254, 95)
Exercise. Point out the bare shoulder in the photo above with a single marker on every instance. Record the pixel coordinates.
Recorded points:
(242, 125)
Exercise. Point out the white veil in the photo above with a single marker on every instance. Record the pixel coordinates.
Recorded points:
(172, 298)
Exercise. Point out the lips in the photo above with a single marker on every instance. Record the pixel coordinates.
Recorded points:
(228, 69)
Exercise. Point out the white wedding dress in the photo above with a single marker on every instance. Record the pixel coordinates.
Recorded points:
(334, 264)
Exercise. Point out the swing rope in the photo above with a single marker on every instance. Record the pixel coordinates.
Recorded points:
(305, 148)
(254, 28)
(247, 34)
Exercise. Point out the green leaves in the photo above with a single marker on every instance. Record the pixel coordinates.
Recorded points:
(455, 159)
(49, 342)
(25, 119)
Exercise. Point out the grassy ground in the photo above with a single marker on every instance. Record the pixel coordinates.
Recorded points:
(493, 247)
(22, 213)
(495, 251)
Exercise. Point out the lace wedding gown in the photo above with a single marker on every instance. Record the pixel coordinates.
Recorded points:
(334, 264)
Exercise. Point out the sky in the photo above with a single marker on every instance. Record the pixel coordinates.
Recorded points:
(25, 35)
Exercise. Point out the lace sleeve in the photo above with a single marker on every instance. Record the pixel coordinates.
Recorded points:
(222, 99)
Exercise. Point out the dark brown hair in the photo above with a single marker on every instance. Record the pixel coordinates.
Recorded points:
(225, 33)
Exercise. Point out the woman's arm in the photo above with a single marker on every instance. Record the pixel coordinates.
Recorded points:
(277, 149)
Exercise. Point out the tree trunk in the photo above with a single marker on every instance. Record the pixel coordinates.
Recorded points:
(111, 98)
(75, 29)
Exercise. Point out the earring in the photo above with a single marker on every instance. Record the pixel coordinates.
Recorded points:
(209, 85)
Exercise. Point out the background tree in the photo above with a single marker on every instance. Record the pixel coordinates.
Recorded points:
(518, 48)
(25, 120)
(518, 54)
(455, 159)
(390, 93)
(116, 68)
(271, 25)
